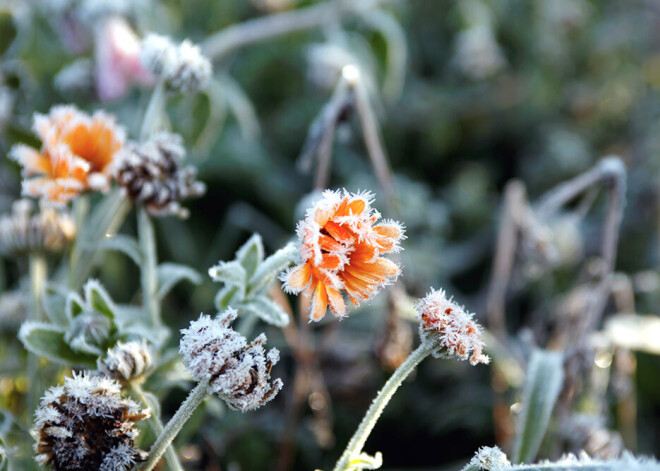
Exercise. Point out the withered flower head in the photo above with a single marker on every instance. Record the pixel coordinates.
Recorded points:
(76, 155)
(126, 361)
(151, 174)
(22, 231)
(239, 373)
(182, 66)
(340, 251)
(85, 424)
(450, 328)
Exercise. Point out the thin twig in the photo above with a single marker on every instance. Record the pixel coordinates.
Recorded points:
(505, 252)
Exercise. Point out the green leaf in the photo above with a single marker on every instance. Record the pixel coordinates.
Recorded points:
(169, 274)
(74, 306)
(8, 31)
(251, 254)
(226, 297)
(54, 302)
(99, 299)
(121, 243)
(231, 273)
(47, 340)
(267, 310)
(543, 382)
(272, 267)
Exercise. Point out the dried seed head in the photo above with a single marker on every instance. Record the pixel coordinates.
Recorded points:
(240, 373)
(85, 424)
(126, 361)
(450, 328)
(151, 174)
(22, 232)
(182, 67)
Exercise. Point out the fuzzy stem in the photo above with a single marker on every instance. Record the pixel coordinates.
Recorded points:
(176, 423)
(378, 405)
(149, 269)
(153, 115)
(234, 37)
(156, 424)
(38, 274)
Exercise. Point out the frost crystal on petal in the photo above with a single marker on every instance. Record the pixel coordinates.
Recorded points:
(449, 327)
(86, 424)
(237, 371)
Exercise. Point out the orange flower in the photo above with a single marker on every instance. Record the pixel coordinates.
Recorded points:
(76, 154)
(341, 251)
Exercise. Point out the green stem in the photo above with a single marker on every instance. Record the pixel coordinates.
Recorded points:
(354, 447)
(156, 424)
(153, 116)
(149, 269)
(174, 426)
(106, 221)
(38, 275)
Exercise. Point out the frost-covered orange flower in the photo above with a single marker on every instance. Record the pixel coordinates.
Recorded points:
(76, 155)
(340, 252)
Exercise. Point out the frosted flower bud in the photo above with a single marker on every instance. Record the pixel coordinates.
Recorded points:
(151, 174)
(182, 67)
(86, 424)
(237, 371)
(450, 328)
(22, 231)
(490, 459)
(126, 361)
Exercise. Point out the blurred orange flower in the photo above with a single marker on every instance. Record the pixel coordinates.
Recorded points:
(341, 251)
(76, 155)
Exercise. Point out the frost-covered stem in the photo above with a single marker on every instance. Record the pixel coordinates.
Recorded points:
(156, 424)
(148, 270)
(38, 274)
(154, 114)
(261, 29)
(356, 443)
(176, 423)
